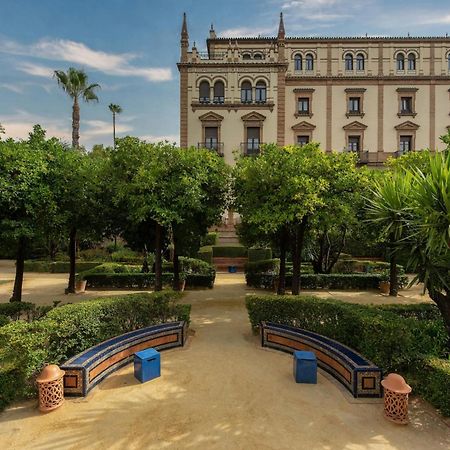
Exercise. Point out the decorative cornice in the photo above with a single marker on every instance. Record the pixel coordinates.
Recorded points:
(233, 106)
(355, 126)
(210, 116)
(303, 126)
(407, 89)
(253, 116)
(355, 90)
(303, 90)
(407, 126)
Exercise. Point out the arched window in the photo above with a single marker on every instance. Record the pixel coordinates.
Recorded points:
(246, 56)
(348, 61)
(411, 61)
(246, 92)
(260, 92)
(400, 61)
(258, 56)
(309, 62)
(359, 61)
(204, 92)
(219, 92)
(298, 62)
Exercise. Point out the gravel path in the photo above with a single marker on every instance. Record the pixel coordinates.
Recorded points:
(221, 391)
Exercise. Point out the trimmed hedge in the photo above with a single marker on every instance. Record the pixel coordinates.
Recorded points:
(210, 238)
(229, 251)
(345, 265)
(196, 280)
(58, 266)
(21, 310)
(259, 254)
(125, 280)
(318, 281)
(67, 330)
(394, 343)
(266, 266)
(206, 254)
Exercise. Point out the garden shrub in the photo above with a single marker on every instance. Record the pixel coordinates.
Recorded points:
(190, 265)
(259, 254)
(125, 280)
(210, 238)
(58, 266)
(205, 254)
(22, 310)
(229, 251)
(129, 256)
(94, 254)
(112, 268)
(67, 330)
(196, 280)
(267, 266)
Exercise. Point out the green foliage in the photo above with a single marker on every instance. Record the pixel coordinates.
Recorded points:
(391, 342)
(206, 254)
(111, 268)
(124, 280)
(128, 255)
(268, 266)
(210, 239)
(419, 160)
(229, 251)
(58, 266)
(196, 280)
(67, 330)
(259, 254)
(191, 266)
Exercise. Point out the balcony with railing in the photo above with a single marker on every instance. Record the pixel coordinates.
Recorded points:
(212, 145)
(251, 147)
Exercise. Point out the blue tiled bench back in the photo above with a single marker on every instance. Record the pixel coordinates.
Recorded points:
(88, 368)
(360, 376)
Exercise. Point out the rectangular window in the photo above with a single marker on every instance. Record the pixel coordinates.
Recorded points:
(405, 144)
(211, 137)
(302, 140)
(406, 105)
(303, 105)
(354, 143)
(253, 140)
(354, 105)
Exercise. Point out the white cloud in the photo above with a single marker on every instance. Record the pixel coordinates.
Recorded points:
(18, 89)
(118, 64)
(35, 69)
(102, 128)
(155, 138)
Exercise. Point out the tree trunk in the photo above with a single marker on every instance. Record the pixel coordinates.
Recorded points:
(20, 265)
(297, 248)
(334, 260)
(318, 262)
(443, 303)
(158, 257)
(282, 276)
(114, 130)
(393, 289)
(176, 265)
(72, 256)
(75, 123)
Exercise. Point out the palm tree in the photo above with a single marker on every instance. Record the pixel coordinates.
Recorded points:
(388, 209)
(75, 83)
(115, 109)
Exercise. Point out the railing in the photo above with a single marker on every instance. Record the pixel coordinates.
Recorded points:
(213, 146)
(206, 55)
(251, 148)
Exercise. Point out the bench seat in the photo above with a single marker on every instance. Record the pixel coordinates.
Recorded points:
(88, 368)
(360, 376)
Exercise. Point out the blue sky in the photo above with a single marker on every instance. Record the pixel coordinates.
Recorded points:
(130, 47)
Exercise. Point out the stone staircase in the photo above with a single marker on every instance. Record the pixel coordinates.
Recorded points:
(227, 235)
(222, 264)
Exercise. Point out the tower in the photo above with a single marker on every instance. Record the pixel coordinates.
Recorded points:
(184, 40)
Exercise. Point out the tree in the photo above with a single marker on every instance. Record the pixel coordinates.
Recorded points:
(276, 193)
(75, 84)
(26, 199)
(115, 109)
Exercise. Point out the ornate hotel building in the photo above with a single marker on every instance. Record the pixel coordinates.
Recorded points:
(377, 96)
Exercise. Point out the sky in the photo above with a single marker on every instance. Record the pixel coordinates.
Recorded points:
(131, 47)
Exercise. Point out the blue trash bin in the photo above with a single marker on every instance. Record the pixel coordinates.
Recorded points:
(147, 365)
(305, 367)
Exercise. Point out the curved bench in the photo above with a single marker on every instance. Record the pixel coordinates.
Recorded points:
(88, 368)
(360, 376)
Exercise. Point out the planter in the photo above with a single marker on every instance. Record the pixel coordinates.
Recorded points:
(384, 287)
(80, 286)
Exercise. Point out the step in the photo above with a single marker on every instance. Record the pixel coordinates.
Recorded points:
(225, 240)
(221, 264)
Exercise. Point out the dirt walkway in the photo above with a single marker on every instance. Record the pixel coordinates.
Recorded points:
(222, 391)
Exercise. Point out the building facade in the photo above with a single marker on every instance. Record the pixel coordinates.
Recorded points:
(378, 97)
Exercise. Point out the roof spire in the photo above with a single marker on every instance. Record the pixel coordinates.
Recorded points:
(281, 31)
(212, 33)
(184, 31)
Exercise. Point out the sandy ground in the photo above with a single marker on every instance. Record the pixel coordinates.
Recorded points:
(221, 391)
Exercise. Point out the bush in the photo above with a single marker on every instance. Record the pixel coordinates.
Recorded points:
(21, 310)
(94, 254)
(259, 254)
(67, 330)
(318, 281)
(190, 265)
(229, 251)
(267, 266)
(210, 239)
(195, 280)
(206, 254)
(58, 266)
(111, 268)
(379, 335)
(125, 280)
(129, 256)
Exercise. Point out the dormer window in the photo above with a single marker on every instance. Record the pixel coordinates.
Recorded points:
(348, 62)
(298, 63)
(204, 92)
(400, 62)
(246, 56)
(412, 62)
(258, 56)
(360, 62)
